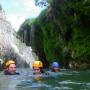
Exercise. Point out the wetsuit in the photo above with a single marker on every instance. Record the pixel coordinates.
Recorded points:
(8, 73)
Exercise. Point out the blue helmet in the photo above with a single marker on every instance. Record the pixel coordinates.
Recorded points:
(55, 64)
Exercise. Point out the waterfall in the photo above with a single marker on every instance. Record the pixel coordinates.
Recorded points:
(10, 45)
(32, 36)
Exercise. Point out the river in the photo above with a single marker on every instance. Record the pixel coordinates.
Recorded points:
(64, 80)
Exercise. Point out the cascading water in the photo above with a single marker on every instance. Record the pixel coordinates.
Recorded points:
(10, 44)
(32, 36)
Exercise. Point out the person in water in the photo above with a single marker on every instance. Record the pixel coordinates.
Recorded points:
(37, 67)
(10, 68)
(55, 67)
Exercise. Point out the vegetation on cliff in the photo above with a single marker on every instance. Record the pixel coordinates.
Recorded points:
(61, 31)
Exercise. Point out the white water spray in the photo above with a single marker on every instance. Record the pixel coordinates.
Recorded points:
(9, 43)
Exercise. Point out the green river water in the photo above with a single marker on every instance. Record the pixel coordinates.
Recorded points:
(64, 80)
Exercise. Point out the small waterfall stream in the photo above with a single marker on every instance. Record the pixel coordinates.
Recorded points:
(10, 45)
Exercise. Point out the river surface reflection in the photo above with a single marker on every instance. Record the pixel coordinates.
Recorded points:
(64, 80)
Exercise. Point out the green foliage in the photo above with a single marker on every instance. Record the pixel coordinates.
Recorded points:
(62, 30)
(51, 39)
(24, 31)
(71, 19)
(80, 43)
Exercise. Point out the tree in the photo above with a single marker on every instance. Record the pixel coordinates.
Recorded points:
(42, 3)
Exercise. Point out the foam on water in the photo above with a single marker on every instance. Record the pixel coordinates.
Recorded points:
(69, 82)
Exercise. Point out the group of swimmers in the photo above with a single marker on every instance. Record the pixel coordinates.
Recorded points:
(37, 66)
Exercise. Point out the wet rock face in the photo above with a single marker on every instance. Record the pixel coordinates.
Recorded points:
(7, 49)
(6, 34)
(75, 65)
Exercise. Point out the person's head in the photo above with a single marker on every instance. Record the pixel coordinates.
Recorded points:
(10, 67)
(37, 67)
(55, 67)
